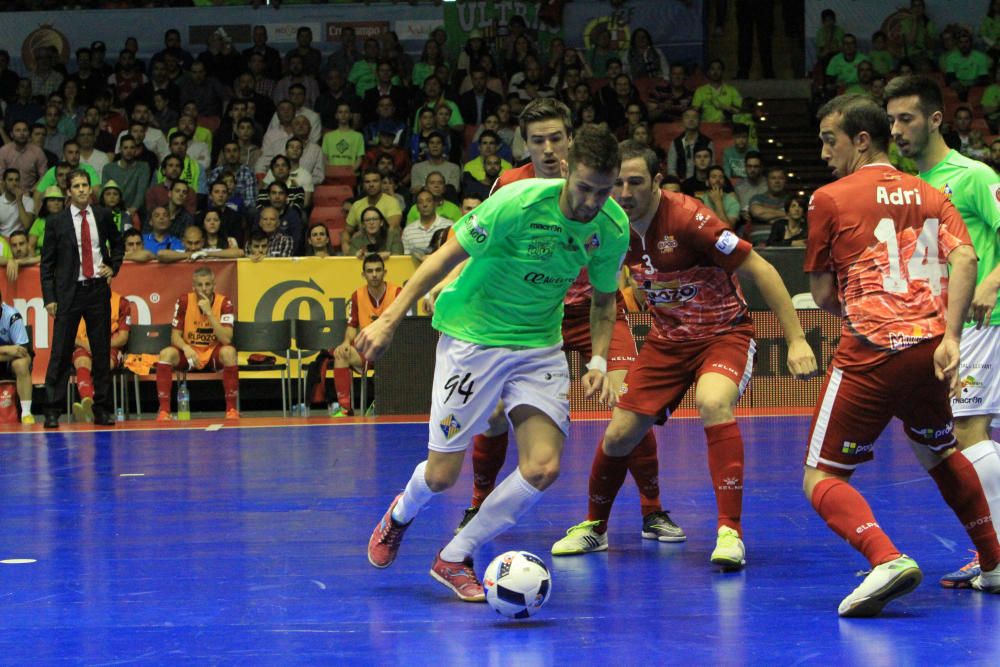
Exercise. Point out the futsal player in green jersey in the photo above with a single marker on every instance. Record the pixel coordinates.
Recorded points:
(915, 106)
(501, 324)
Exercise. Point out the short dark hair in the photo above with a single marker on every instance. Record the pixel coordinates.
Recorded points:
(372, 258)
(77, 173)
(10, 170)
(859, 113)
(774, 168)
(545, 108)
(17, 232)
(258, 235)
(739, 129)
(277, 184)
(753, 155)
(130, 232)
(828, 14)
(631, 149)
(491, 134)
(597, 148)
(926, 90)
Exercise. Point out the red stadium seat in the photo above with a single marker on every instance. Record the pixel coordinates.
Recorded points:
(210, 123)
(331, 195)
(665, 133)
(332, 216)
(645, 85)
(340, 175)
(717, 131)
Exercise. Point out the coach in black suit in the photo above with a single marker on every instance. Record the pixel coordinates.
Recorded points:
(82, 250)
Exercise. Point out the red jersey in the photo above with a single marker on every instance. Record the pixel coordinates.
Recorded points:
(685, 264)
(512, 175)
(887, 236)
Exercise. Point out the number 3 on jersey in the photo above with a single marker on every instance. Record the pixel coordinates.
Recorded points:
(923, 264)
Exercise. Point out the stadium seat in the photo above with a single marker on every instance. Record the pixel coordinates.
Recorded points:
(340, 176)
(273, 338)
(332, 216)
(331, 195)
(665, 133)
(645, 85)
(717, 132)
(210, 123)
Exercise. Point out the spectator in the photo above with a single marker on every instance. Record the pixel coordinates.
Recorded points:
(172, 47)
(245, 91)
(470, 202)
(71, 156)
(734, 157)
(45, 80)
(417, 234)
(767, 207)
(27, 158)
(127, 78)
(697, 184)
(96, 159)
(269, 57)
(418, 140)
(15, 357)
(752, 184)
(205, 90)
(290, 217)
(479, 101)
(977, 148)
(531, 82)
(197, 150)
(919, 35)
(791, 230)
(193, 240)
(231, 160)
(644, 59)
(385, 122)
(311, 57)
(217, 244)
(263, 84)
(131, 175)
(480, 188)
(435, 162)
(989, 29)
(842, 70)
(680, 161)
(966, 67)
(995, 155)
(337, 92)
(278, 244)
(390, 184)
(153, 137)
(750, 16)
(178, 215)
(347, 54)
(829, 37)
(17, 208)
(375, 236)
(232, 220)
(23, 108)
(990, 101)
(276, 136)
(717, 197)
(159, 237)
(17, 253)
(159, 83)
(615, 99)
(344, 146)
(434, 97)
(493, 80)
(201, 340)
(111, 199)
(367, 304)
(190, 172)
(318, 242)
(387, 84)
(430, 58)
(54, 139)
(961, 132)
(399, 157)
(866, 80)
(250, 151)
(301, 114)
(601, 52)
(489, 145)
(298, 183)
(221, 60)
(297, 74)
(134, 249)
(492, 123)
(882, 60)
(717, 101)
(362, 73)
(445, 208)
(371, 183)
(257, 246)
(8, 78)
(53, 202)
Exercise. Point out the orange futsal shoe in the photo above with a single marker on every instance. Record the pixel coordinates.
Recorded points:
(163, 416)
(232, 413)
(384, 543)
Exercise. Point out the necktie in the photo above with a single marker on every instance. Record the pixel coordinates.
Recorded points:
(86, 247)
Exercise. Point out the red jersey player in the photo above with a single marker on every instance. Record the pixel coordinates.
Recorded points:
(878, 243)
(121, 322)
(547, 127)
(684, 258)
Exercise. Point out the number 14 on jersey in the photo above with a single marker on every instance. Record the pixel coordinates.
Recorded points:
(923, 264)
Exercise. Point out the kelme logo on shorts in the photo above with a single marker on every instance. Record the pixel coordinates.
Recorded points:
(450, 427)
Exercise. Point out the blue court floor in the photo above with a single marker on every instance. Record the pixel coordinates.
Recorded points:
(246, 546)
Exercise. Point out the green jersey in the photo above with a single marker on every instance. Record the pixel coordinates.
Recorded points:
(524, 256)
(973, 188)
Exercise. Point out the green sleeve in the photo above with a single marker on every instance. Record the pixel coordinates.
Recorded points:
(607, 262)
(987, 187)
(489, 223)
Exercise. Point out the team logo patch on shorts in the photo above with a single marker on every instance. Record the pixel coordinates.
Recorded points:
(856, 448)
(450, 427)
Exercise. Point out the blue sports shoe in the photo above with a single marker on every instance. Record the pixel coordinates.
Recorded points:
(962, 578)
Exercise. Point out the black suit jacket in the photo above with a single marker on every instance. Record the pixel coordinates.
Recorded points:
(60, 265)
(467, 105)
(369, 105)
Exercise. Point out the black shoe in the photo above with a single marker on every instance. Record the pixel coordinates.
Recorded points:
(102, 418)
(466, 518)
(51, 420)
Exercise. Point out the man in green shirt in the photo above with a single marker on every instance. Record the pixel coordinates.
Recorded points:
(966, 67)
(843, 67)
(716, 100)
(915, 107)
(501, 325)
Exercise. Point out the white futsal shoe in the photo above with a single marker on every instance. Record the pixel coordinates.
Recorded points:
(884, 583)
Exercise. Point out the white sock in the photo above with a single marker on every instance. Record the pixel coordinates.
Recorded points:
(25, 407)
(501, 510)
(985, 458)
(415, 496)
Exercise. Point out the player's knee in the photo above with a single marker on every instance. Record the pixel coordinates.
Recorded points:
(21, 366)
(619, 440)
(440, 479)
(169, 355)
(541, 474)
(714, 410)
(340, 360)
(227, 355)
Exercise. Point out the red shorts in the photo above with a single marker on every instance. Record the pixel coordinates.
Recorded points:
(214, 363)
(117, 356)
(621, 351)
(855, 406)
(665, 370)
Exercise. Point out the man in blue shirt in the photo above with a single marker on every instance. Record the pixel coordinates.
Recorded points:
(14, 357)
(160, 239)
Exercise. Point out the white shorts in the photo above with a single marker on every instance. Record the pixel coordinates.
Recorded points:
(979, 372)
(469, 379)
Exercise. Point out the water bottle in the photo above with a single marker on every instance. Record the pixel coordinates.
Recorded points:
(334, 408)
(295, 409)
(183, 403)
(120, 414)
(304, 409)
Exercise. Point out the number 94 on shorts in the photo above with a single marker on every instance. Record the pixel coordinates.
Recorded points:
(469, 379)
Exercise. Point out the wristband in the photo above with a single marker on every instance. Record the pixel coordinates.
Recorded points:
(598, 363)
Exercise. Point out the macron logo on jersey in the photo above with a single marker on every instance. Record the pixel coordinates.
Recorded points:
(727, 242)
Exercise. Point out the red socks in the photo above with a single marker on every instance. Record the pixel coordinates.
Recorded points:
(488, 455)
(84, 382)
(645, 469)
(164, 384)
(342, 382)
(960, 487)
(847, 514)
(725, 463)
(231, 385)
(607, 474)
